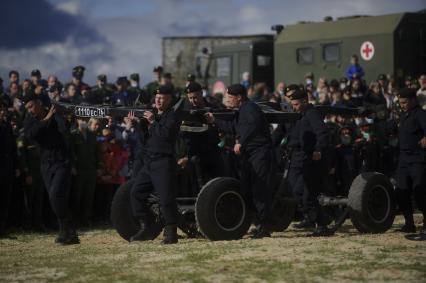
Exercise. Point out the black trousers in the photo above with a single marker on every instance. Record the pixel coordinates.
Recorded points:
(306, 180)
(6, 178)
(411, 180)
(205, 167)
(345, 170)
(258, 172)
(34, 198)
(83, 195)
(158, 177)
(57, 180)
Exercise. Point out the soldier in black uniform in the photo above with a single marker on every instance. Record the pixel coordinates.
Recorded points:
(151, 87)
(142, 97)
(102, 92)
(123, 96)
(411, 172)
(8, 155)
(308, 141)
(203, 150)
(254, 145)
(77, 80)
(47, 129)
(158, 172)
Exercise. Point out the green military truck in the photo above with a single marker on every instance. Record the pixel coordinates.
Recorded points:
(255, 57)
(390, 44)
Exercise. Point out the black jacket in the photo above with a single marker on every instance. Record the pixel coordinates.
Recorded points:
(162, 134)
(49, 135)
(309, 133)
(201, 143)
(249, 126)
(8, 151)
(412, 129)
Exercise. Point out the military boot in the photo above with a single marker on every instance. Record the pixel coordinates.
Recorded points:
(67, 234)
(308, 222)
(261, 232)
(3, 233)
(170, 235)
(321, 231)
(142, 234)
(409, 226)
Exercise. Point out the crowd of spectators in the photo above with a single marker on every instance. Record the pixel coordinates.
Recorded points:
(104, 151)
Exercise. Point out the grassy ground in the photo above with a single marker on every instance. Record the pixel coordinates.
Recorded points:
(286, 257)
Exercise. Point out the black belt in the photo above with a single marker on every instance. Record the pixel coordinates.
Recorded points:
(152, 156)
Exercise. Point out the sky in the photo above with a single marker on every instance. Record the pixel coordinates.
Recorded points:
(120, 37)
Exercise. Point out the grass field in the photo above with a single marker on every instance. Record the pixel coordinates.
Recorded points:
(286, 257)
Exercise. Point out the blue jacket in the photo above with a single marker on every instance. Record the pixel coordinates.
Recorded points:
(354, 69)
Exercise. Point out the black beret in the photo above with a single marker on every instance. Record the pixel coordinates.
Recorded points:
(298, 94)
(381, 77)
(407, 93)
(165, 89)
(134, 77)
(158, 69)
(237, 89)
(121, 80)
(291, 87)
(193, 87)
(79, 69)
(35, 73)
(30, 97)
(102, 77)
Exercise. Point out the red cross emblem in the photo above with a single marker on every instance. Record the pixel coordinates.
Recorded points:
(367, 50)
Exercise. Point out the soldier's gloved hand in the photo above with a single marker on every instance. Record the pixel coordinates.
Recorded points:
(422, 142)
(209, 117)
(316, 155)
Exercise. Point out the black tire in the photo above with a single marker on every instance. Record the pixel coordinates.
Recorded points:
(371, 203)
(221, 210)
(122, 217)
(283, 209)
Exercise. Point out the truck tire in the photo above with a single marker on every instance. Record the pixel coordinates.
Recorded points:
(122, 216)
(283, 209)
(221, 210)
(371, 203)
